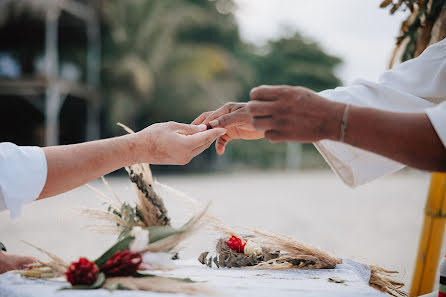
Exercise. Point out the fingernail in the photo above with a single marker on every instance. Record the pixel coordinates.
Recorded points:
(213, 123)
(223, 132)
(202, 127)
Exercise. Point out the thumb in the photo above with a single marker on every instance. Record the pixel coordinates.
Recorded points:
(206, 137)
(190, 129)
(236, 118)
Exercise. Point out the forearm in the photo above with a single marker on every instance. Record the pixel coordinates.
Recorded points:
(408, 138)
(70, 166)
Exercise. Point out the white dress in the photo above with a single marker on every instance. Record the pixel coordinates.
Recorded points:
(418, 85)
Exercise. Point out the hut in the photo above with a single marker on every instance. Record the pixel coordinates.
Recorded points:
(49, 71)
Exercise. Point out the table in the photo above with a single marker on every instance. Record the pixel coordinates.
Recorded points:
(226, 282)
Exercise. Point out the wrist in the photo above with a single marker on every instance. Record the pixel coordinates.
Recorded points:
(131, 149)
(335, 120)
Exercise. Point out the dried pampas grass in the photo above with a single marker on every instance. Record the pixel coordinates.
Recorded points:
(380, 279)
(56, 267)
(284, 252)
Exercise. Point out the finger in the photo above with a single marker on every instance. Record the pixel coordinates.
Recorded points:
(263, 123)
(260, 109)
(267, 93)
(25, 262)
(237, 118)
(200, 149)
(220, 144)
(274, 136)
(202, 138)
(186, 129)
(225, 109)
(201, 118)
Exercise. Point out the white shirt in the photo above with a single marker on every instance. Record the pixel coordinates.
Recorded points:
(418, 85)
(23, 172)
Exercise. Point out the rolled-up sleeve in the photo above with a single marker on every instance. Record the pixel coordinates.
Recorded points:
(23, 172)
(418, 85)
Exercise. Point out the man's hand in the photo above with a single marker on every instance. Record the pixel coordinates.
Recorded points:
(235, 119)
(289, 113)
(173, 143)
(10, 261)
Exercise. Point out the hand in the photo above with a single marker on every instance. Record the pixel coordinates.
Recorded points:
(235, 119)
(173, 143)
(289, 113)
(10, 261)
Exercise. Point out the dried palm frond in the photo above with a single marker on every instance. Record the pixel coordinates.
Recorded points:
(152, 208)
(149, 210)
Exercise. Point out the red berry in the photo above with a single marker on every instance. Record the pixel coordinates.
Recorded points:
(82, 272)
(122, 263)
(236, 245)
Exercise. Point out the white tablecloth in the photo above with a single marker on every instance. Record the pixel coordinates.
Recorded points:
(226, 282)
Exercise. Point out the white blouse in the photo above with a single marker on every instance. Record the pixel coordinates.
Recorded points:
(418, 85)
(23, 172)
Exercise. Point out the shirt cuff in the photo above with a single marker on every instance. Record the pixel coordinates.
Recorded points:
(23, 176)
(437, 116)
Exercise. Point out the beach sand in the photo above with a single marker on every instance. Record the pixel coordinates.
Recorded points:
(378, 223)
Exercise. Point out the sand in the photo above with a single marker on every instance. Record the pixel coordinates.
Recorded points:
(378, 223)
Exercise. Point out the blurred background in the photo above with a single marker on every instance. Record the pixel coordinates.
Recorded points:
(70, 70)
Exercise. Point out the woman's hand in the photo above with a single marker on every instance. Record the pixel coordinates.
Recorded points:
(235, 119)
(173, 143)
(10, 261)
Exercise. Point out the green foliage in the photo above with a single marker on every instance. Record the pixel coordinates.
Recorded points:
(295, 60)
(172, 60)
(156, 233)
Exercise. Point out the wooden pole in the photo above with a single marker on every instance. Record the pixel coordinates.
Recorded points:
(93, 74)
(52, 100)
(431, 237)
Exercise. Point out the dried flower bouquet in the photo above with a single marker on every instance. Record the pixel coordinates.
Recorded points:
(146, 241)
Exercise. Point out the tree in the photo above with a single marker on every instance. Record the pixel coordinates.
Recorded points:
(167, 60)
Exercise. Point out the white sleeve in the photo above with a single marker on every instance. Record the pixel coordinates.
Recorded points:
(413, 86)
(23, 172)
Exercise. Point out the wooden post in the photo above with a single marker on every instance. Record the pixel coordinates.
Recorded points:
(431, 237)
(93, 73)
(52, 100)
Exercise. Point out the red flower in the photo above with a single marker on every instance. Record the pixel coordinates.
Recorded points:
(122, 263)
(236, 245)
(82, 272)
